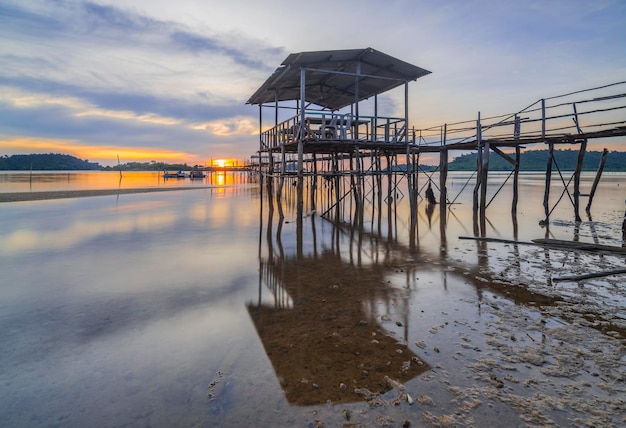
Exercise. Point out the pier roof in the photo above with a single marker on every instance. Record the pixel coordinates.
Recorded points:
(330, 77)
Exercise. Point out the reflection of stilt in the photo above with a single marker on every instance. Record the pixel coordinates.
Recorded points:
(624, 231)
(546, 253)
(299, 215)
(516, 254)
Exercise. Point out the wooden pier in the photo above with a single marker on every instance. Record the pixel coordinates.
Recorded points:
(327, 121)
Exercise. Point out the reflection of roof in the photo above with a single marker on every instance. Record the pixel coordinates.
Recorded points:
(330, 77)
(328, 337)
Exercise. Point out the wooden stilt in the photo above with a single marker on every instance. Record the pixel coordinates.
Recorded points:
(516, 166)
(579, 167)
(479, 175)
(483, 190)
(359, 177)
(313, 181)
(577, 172)
(443, 177)
(443, 197)
(546, 194)
(605, 152)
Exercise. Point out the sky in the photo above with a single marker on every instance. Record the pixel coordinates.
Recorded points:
(168, 80)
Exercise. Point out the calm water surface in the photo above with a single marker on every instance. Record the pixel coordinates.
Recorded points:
(206, 308)
(42, 181)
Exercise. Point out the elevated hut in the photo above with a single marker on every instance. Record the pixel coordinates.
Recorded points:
(323, 90)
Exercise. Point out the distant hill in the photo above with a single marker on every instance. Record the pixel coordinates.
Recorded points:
(46, 162)
(149, 166)
(532, 160)
(535, 160)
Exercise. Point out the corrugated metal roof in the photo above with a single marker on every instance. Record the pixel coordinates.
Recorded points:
(330, 80)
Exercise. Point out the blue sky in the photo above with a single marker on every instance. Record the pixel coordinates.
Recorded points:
(162, 80)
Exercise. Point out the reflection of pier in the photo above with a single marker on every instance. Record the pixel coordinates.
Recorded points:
(329, 293)
(327, 120)
(319, 325)
(323, 321)
(322, 340)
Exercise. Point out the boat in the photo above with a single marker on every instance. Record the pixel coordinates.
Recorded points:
(196, 173)
(179, 174)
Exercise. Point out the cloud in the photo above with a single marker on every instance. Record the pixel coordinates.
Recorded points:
(229, 127)
(169, 75)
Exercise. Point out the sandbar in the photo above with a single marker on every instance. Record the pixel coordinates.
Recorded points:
(62, 194)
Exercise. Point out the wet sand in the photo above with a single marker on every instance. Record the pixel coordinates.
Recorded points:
(39, 196)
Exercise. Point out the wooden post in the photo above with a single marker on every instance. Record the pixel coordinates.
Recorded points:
(597, 179)
(359, 177)
(483, 190)
(579, 167)
(337, 183)
(479, 175)
(379, 194)
(443, 177)
(299, 194)
(516, 135)
(409, 179)
(314, 182)
(546, 194)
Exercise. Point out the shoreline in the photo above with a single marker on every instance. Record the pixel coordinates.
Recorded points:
(65, 194)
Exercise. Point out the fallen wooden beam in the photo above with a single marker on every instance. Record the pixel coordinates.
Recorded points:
(555, 243)
(575, 245)
(590, 275)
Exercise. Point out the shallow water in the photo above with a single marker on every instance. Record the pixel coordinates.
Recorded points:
(43, 181)
(204, 308)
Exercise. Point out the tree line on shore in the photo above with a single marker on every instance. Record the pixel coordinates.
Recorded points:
(536, 160)
(62, 162)
(532, 160)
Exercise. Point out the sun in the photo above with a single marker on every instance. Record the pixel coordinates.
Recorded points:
(220, 163)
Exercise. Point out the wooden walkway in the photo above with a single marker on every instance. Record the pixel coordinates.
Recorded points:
(329, 135)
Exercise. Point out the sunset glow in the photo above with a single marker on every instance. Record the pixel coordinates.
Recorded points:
(105, 155)
(223, 163)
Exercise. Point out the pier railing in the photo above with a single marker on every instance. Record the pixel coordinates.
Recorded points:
(591, 113)
(335, 127)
